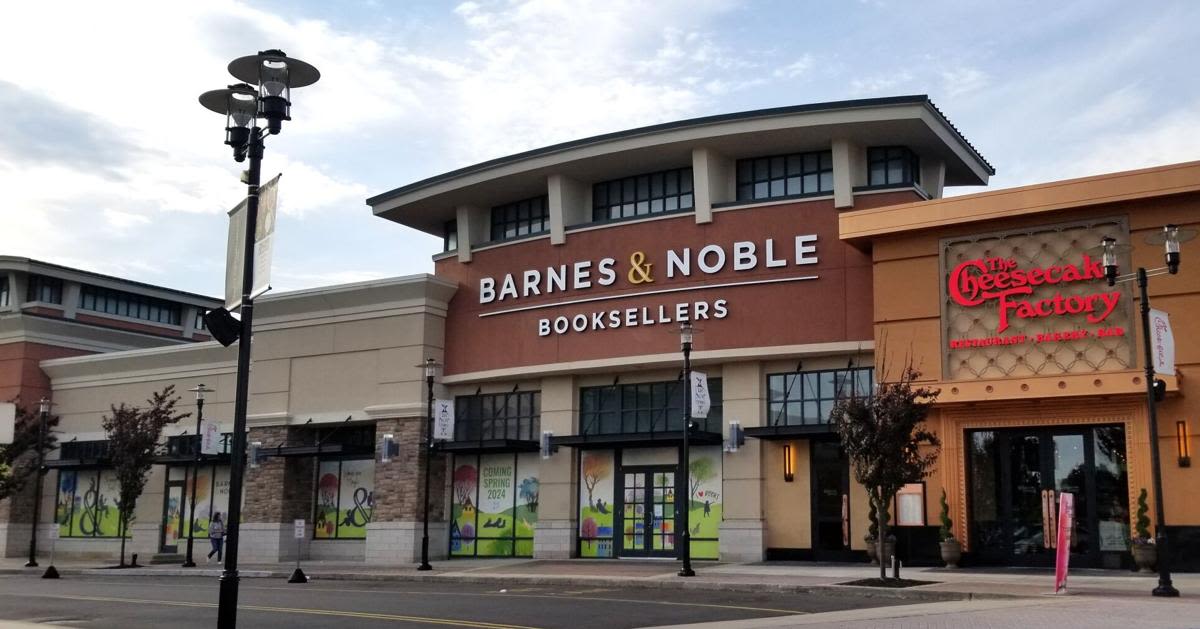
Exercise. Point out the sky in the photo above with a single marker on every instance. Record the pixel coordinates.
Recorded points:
(108, 162)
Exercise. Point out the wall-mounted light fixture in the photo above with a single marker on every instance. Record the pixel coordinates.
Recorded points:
(789, 464)
(1184, 438)
(389, 449)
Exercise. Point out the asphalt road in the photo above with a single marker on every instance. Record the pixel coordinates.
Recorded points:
(186, 602)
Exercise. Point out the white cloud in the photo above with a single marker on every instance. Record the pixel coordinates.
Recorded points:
(960, 81)
(880, 84)
(796, 68)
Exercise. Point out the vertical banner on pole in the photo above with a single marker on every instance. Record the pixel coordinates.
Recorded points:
(701, 402)
(443, 420)
(1066, 522)
(1162, 343)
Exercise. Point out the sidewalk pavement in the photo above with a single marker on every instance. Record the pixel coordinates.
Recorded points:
(963, 584)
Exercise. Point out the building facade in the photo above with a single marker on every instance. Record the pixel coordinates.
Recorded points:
(810, 247)
(49, 311)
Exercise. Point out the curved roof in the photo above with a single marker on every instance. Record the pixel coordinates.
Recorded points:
(914, 119)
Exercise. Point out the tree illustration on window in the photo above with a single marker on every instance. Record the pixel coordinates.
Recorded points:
(595, 468)
(465, 479)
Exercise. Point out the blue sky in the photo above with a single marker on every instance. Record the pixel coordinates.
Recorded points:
(108, 163)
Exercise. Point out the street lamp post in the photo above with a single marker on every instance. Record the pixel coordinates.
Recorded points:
(430, 366)
(43, 417)
(685, 342)
(1170, 237)
(199, 390)
(275, 74)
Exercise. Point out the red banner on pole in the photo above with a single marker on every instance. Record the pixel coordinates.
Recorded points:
(1066, 522)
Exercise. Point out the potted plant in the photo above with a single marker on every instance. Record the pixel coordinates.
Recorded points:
(1144, 552)
(951, 549)
(870, 537)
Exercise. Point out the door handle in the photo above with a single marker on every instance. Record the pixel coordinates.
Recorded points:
(845, 521)
(1049, 517)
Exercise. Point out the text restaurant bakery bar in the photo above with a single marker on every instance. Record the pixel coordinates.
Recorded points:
(812, 250)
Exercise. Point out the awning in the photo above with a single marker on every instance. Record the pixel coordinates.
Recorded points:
(790, 432)
(636, 439)
(184, 459)
(325, 449)
(489, 445)
(75, 463)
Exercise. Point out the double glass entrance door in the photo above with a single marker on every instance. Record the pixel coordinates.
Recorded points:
(1017, 477)
(648, 511)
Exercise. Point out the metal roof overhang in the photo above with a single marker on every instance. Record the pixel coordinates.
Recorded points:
(205, 459)
(75, 463)
(489, 446)
(910, 120)
(636, 439)
(770, 433)
(329, 449)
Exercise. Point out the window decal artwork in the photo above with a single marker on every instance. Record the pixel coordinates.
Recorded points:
(495, 507)
(596, 503)
(345, 500)
(704, 501)
(87, 504)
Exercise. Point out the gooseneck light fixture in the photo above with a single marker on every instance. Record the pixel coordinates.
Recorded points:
(264, 93)
(1170, 237)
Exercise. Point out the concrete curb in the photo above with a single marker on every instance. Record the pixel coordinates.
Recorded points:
(911, 594)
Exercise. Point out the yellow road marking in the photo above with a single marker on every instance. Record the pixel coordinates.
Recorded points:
(510, 593)
(295, 610)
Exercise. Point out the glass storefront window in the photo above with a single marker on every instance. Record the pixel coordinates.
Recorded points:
(808, 398)
(345, 499)
(86, 505)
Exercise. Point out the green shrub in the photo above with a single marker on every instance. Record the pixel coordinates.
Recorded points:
(947, 531)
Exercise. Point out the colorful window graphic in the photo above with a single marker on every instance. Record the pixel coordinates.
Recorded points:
(596, 503)
(212, 496)
(87, 504)
(345, 499)
(495, 506)
(704, 501)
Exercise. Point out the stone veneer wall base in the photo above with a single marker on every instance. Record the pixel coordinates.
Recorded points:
(554, 539)
(400, 542)
(271, 542)
(14, 538)
(743, 540)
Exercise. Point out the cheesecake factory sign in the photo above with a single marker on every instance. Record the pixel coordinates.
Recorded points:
(1033, 302)
(650, 275)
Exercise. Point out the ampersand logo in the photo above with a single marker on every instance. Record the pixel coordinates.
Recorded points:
(639, 271)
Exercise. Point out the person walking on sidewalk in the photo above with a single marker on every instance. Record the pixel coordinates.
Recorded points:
(216, 537)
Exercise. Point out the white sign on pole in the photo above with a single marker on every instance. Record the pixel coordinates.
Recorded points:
(298, 529)
(210, 437)
(701, 403)
(54, 533)
(443, 420)
(8, 421)
(1163, 343)
(268, 196)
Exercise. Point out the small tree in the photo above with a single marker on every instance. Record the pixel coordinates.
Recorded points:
(133, 433)
(883, 436)
(1141, 524)
(18, 460)
(946, 532)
